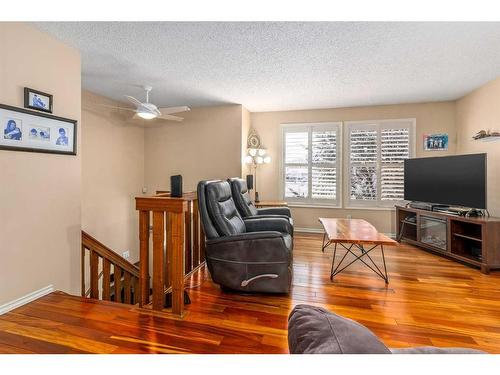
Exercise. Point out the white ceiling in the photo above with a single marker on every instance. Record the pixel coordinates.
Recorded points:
(280, 66)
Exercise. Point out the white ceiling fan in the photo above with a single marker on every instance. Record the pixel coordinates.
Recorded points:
(149, 111)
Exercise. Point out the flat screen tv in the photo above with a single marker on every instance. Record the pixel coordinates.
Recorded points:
(458, 180)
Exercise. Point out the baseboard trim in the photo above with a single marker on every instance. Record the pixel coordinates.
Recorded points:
(308, 230)
(5, 308)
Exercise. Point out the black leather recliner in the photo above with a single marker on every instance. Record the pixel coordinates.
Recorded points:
(246, 207)
(251, 255)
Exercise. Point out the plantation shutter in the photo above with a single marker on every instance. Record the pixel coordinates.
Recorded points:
(377, 151)
(324, 164)
(296, 163)
(395, 148)
(311, 164)
(363, 151)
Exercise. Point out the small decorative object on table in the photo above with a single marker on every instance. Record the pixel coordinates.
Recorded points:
(38, 100)
(436, 142)
(25, 130)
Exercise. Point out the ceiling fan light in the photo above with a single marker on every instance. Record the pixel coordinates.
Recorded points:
(146, 115)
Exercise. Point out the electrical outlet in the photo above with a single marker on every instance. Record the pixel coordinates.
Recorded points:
(144, 190)
(126, 254)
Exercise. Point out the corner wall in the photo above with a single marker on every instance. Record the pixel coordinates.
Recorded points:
(112, 174)
(480, 110)
(40, 207)
(206, 145)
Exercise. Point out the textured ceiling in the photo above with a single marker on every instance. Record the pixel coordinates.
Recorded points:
(280, 66)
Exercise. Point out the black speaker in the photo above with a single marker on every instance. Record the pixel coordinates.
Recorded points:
(250, 181)
(176, 186)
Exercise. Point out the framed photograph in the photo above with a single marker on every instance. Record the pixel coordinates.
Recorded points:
(25, 130)
(436, 142)
(38, 100)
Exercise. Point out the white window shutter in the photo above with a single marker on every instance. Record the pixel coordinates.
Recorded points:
(395, 148)
(377, 150)
(311, 163)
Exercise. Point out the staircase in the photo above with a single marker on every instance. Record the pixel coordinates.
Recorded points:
(106, 275)
(178, 251)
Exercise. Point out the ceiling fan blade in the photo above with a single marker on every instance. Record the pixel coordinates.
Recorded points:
(170, 110)
(170, 118)
(133, 100)
(116, 107)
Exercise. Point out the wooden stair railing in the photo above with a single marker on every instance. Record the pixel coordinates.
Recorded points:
(178, 247)
(119, 284)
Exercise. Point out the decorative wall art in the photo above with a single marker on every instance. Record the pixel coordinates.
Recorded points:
(25, 130)
(436, 142)
(38, 100)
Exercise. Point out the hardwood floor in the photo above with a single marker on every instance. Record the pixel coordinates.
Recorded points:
(429, 301)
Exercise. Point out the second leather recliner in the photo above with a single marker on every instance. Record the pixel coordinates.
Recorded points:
(246, 207)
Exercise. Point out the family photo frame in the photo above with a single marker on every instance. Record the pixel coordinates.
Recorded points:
(26, 130)
(38, 100)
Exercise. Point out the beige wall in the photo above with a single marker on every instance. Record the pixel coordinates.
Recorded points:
(480, 110)
(430, 118)
(39, 193)
(245, 130)
(112, 174)
(206, 145)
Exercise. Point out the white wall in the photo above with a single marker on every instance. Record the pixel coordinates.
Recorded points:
(112, 174)
(40, 207)
(206, 145)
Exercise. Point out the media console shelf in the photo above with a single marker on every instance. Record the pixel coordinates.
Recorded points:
(471, 240)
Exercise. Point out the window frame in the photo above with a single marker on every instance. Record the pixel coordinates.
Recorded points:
(379, 125)
(309, 128)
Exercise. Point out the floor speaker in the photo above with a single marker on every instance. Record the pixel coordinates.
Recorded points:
(250, 181)
(176, 186)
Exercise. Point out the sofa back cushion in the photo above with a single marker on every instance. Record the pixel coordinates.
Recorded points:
(221, 209)
(314, 330)
(241, 197)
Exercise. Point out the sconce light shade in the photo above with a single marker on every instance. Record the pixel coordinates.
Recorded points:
(267, 159)
(259, 160)
(252, 151)
(248, 159)
(262, 151)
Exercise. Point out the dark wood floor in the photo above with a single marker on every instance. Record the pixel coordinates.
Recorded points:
(429, 301)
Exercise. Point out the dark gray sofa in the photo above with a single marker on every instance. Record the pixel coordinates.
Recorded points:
(315, 330)
(250, 255)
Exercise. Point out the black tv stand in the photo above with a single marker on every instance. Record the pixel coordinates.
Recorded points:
(474, 241)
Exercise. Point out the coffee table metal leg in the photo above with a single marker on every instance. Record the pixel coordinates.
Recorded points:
(334, 271)
(323, 245)
(364, 252)
(385, 267)
(333, 260)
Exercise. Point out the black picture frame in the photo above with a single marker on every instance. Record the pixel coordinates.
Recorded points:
(58, 122)
(28, 91)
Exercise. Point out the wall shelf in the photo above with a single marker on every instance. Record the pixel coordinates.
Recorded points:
(488, 139)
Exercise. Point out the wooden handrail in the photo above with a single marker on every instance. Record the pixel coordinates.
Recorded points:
(124, 279)
(177, 248)
(105, 252)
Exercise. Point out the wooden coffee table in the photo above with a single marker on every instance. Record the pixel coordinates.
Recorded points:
(354, 234)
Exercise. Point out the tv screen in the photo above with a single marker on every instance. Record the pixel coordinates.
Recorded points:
(450, 180)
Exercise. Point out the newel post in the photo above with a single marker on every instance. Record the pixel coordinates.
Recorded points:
(168, 219)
